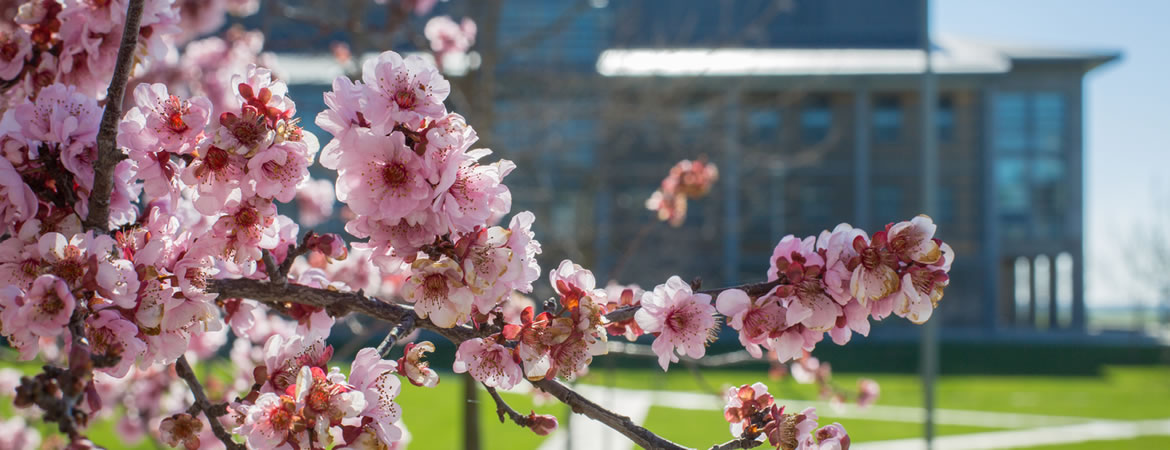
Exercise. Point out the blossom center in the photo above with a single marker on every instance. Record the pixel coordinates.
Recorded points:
(394, 174)
(174, 112)
(435, 286)
(247, 217)
(9, 50)
(52, 305)
(217, 158)
(405, 98)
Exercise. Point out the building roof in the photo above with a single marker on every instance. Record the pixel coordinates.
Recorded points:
(951, 56)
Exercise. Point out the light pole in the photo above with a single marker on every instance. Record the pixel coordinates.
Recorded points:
(929, 343)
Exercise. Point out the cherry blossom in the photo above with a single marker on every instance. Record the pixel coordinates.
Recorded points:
(438, 292)
(757, 320)
(412, 366)
(489, 363)
(406, 90)
(374, 378)
(684, 322)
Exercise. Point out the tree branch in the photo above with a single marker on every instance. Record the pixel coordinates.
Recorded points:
(203, 404)
(98, 216)
(502, 409)
(738, 443)
(341, 303)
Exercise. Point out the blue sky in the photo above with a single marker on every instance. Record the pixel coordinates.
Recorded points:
(1127, 107)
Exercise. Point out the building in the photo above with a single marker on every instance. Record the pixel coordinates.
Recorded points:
(811, 111)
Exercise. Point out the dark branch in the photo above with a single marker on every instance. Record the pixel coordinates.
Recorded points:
(502, 409)
(342, 303)
(212, 411)
(107, 153)
(401, 329)
(738, 443)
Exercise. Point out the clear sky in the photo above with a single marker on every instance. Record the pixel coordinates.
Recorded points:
(1127, 108)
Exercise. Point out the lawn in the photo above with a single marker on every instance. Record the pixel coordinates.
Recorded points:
(434, 416)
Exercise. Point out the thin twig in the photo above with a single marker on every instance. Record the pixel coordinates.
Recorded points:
(212, 411)
(502, 409)
(108, 155)
(402, 329)
(738, 443)
(271, 268)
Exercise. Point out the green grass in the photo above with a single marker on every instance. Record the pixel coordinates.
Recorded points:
(706, 428)
(1142, 443)
(1143, 390)
(434, 416)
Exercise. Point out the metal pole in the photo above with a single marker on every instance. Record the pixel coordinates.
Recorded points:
(470, 413)
(930, 183)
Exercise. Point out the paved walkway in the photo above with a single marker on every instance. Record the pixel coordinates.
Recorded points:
(1024, 429)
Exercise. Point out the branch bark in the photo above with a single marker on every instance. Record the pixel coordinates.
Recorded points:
(98, 217)
(341, 303)
(203, 404)
(738, 443)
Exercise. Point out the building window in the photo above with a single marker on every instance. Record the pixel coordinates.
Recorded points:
(814, 205)
(887, 118)
(1010, 112)
(946, 205)
(762, 127)
(944, 119)
(887, 201)
(1047, 122)
(815, 120)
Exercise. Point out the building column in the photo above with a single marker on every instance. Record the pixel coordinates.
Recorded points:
(1033, 295)
(1053, 303)
(993, 266)
(730, 177)
(861, 158)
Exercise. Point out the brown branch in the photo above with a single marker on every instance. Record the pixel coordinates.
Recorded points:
(108, 155)
(502, 409)
(342, 303)
(212, 411)
(753, 290)
(738, 443)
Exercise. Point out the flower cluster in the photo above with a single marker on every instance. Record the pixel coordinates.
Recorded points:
(836, 281)
(448, 38)
(754, 415)
(301, 403)
(406, 169)
(561, 341)
(76, 43)
(686, 180)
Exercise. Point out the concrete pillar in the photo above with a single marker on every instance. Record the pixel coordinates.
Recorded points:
(861, 158)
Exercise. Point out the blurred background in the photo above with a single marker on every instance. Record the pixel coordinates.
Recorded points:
(1049, 127)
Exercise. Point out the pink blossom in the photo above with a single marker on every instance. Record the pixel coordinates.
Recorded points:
(326, 400)
(277, 172)
(489, 363)
(412, 366)
(789, 249)
(875, 276)
(856, 319)
(12, 313)
(437, 290)
(831, 437)
(18, 203)
(914, 240)
(60, 115)
(374, 378)
(922, 288)
(839, 251)
(448, 37)
(315, 202)
(744, 404)
(407, 90)
(542, 424)
(757, 320)
(215, 175)
(15, 434)
(447, 142)
(247, 228)
(112, 335)
(15, 46)
(683, 321)
(867, 392)
(381, 177)
(47, 307)
(477, 194)
(175, 124)
(181, 429)
(267, 423)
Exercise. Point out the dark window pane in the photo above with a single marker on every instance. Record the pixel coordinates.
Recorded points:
(887, 118)
(763, 127)
(1010, 121)
(1011, 181)
(944, 119)
(1047, 121)
(815, 120)
(887, 202)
